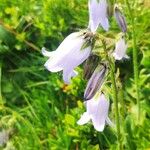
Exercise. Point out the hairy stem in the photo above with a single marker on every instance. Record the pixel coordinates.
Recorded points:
(115, 98)
(115, 95)
(135, 56)
(122, 102)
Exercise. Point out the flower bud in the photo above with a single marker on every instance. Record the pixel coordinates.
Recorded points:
(90, 65)
(120, 19)
(96, 81)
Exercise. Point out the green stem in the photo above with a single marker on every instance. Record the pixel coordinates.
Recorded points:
(135, 56)
(121, 98)
(122, 103)
(100, 141)
(115, 98)
(1, 102)
(115, 94)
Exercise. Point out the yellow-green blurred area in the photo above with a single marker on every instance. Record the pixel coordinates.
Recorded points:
(37, 110)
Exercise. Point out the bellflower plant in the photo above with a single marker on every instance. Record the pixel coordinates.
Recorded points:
(76, 48)
(96, 111)
(73, 51)
(98, 15)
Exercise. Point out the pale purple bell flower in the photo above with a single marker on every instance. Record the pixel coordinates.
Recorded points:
(98, 15)
(120, 49)
(68, 55)
(97, 111)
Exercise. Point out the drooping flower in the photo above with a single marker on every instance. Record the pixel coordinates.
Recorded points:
(120, 19)
(96, 81)
(73, 51)
(98, 14)
(96, 111)
(120, 50)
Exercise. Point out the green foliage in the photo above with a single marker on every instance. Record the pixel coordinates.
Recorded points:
(37, 108)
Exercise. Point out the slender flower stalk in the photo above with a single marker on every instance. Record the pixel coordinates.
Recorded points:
(121, 98)
(115, 94)
(135, 56)
(115, 98)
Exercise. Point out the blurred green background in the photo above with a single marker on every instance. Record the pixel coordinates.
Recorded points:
(36, 107)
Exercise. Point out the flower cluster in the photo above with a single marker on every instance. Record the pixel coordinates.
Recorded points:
(76, 48)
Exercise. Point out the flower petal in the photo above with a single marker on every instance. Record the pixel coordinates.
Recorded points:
(120, 50)
(84, 119)
(77, 55)
(116, 56)
(91, 105)
(104, 23)
(68, 73)
(53, 65)
(72, 60)
(98, 14)
(47, 53)
(98, 124)
(100, 113)
(57, 57)
(93, 18)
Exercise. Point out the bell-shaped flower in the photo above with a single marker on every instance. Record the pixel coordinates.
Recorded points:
(96, 111)
(120, 50)
(73, 51)
(96, 81)
(98, 14)
(120, 19)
